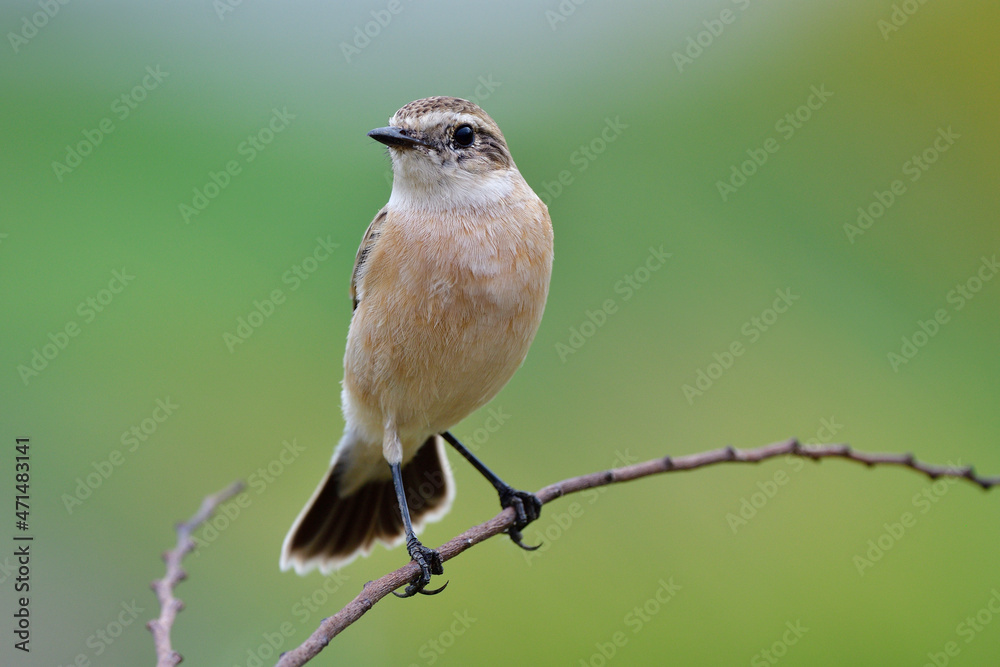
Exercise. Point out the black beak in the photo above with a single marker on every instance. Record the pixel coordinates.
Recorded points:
(391, 136)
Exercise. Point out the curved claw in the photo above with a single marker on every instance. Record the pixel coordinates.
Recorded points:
(516, 537)
(429, 562)
(527, 508)
(414, 588)
(417, 586)
(435, 591)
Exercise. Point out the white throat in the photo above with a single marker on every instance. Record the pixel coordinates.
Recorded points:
(417, 185)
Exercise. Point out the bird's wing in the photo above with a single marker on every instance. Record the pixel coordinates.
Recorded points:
(367, 243)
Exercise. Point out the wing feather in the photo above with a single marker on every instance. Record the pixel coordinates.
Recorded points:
(364, 250)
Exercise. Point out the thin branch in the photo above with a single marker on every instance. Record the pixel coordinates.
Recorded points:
(374, 591)
(166, 656)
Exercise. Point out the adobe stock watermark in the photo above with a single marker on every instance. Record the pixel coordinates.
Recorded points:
(625, 288)
(634, 621)
(88, 309)
(914, 168)
(967, 630)
(270, 646)
(957, 298)
(264, 308)
(248, 149)
(363, 35)
(581, 159)
(37, 21)
(223, 7)
(104, 637)
(786, 126)
(258, 482)
(562, 12)
(316, 602)
(135, 436)
(121, 108)
(432, 649)
(898, 17)
(559, 522)
(752, 330)
(698, 43)
(923, 502)
(779, 649)
(303, 609)
(7, 570)
(495, 419)
(751, 505)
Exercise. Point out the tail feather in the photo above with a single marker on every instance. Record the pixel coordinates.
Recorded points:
(331, 530)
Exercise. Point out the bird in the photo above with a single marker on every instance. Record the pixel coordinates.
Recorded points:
(448, 289)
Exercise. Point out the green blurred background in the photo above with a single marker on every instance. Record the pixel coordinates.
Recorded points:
(554, 75)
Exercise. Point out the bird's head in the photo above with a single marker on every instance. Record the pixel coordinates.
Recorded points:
(448, 149)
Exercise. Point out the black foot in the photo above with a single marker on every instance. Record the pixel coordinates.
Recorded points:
(430, 564)
(527, 508)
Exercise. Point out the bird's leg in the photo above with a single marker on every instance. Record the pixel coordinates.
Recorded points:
(428, 559)
(527, 506)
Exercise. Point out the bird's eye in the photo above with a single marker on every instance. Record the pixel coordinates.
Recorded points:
(464, 136)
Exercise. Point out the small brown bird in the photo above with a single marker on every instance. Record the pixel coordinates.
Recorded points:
(449, 286)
